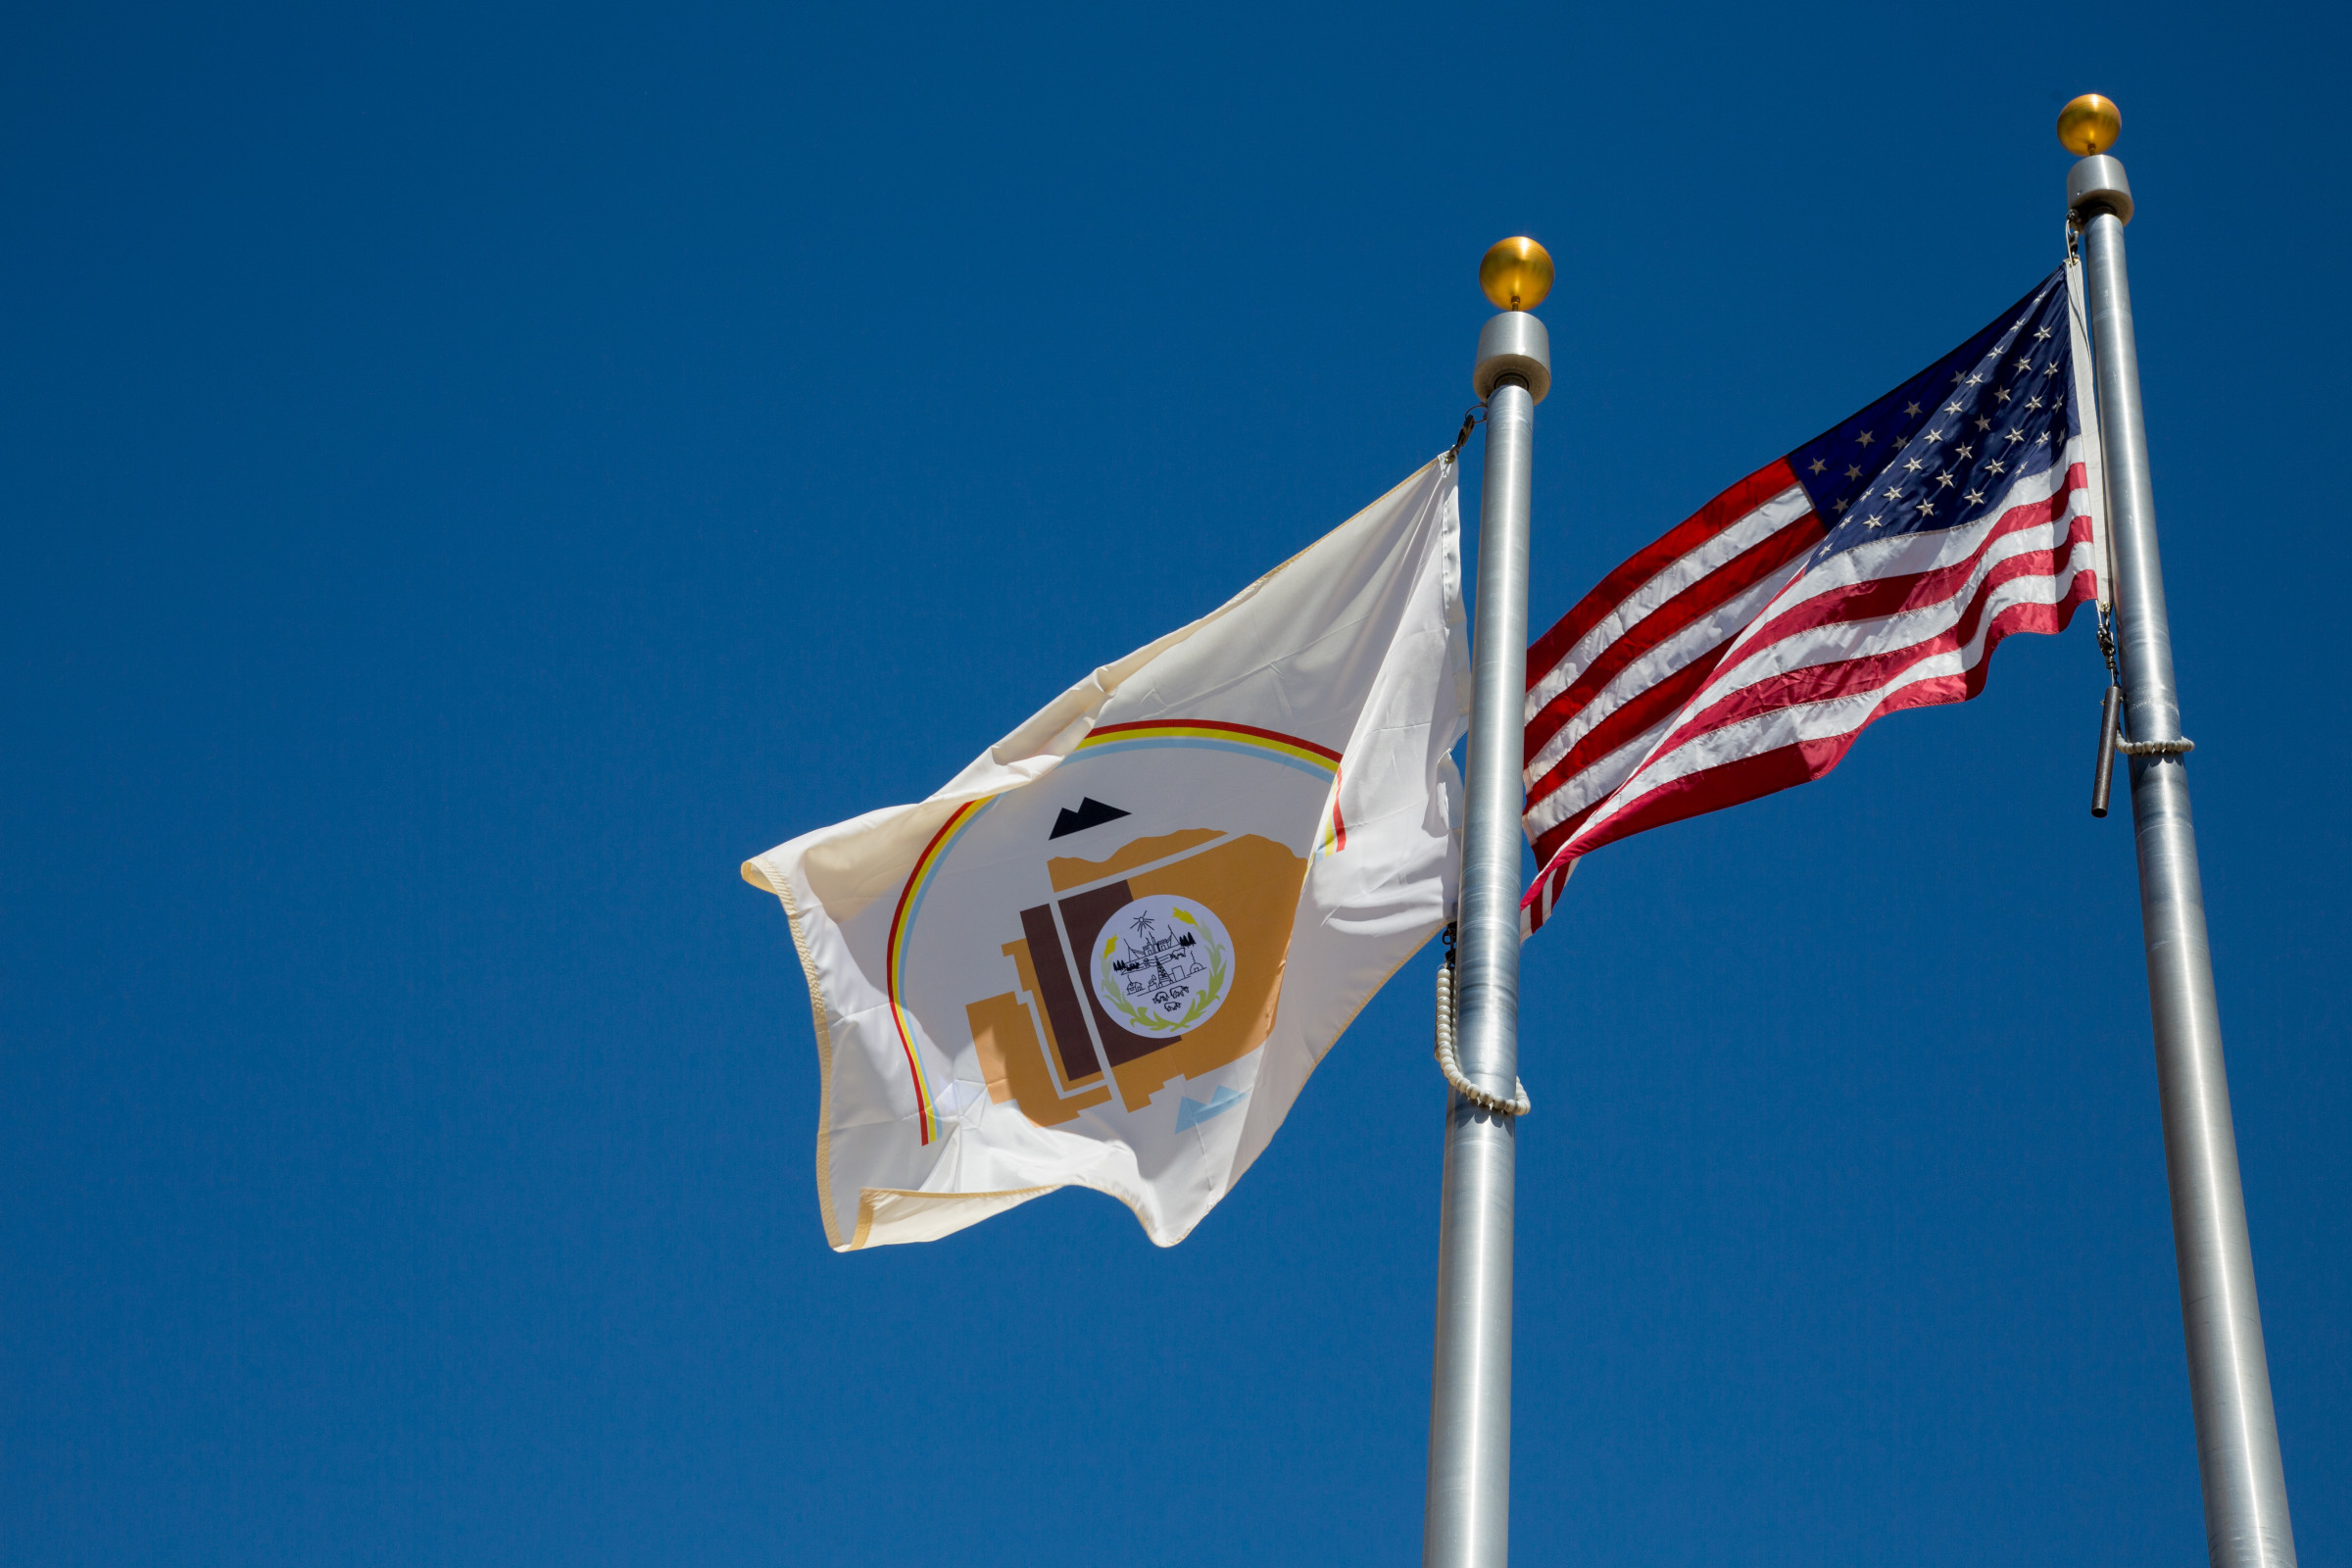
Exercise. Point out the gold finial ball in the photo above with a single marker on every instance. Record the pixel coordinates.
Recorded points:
(1516, 273)
(2089, 124)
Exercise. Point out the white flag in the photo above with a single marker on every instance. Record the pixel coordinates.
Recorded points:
(1109, 952)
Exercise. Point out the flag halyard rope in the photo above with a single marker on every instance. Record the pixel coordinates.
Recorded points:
(1451, 1065)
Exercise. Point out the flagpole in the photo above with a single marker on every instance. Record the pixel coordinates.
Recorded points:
(2246, 1523)
(1467, 1520)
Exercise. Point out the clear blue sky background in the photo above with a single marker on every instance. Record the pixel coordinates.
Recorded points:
(473, 474)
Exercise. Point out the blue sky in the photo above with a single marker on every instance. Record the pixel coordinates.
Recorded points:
(472, 474)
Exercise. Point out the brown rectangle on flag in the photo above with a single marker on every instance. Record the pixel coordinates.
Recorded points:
(1085, 913)
(1071, 1041)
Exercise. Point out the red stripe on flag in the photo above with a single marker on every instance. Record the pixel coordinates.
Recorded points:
(1845, 676)
(1547, 844)
(1654, 704)
(1875, 597)
(1639, 712)
(1748, 778)
(1693, 604)
(1702, 525)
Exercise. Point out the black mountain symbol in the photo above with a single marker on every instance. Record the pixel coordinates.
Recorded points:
(1091, 812)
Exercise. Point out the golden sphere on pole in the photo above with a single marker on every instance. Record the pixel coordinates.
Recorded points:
(1516, 273)
(2089, 124)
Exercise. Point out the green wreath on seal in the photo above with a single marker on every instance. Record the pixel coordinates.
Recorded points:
(1203, 996)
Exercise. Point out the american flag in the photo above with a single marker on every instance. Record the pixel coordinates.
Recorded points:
(1874, 569)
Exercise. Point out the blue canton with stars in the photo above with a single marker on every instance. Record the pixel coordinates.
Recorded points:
(1938, 450)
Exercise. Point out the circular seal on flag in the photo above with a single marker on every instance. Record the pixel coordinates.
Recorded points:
(1162, 965)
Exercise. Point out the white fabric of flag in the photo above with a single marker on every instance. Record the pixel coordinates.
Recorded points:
(1109, 952)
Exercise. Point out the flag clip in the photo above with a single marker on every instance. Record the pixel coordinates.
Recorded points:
(1461, 440)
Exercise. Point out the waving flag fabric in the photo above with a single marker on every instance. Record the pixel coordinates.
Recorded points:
(1109, 952)
(1874, 569)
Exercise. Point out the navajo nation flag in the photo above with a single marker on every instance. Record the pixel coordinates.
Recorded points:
(1874, 569)
(1109, 952)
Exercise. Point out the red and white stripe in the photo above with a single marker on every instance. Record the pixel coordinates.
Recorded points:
(1731, 658)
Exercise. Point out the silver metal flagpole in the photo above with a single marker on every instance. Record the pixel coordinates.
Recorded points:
(1467, 1524)
(2246, 1523)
